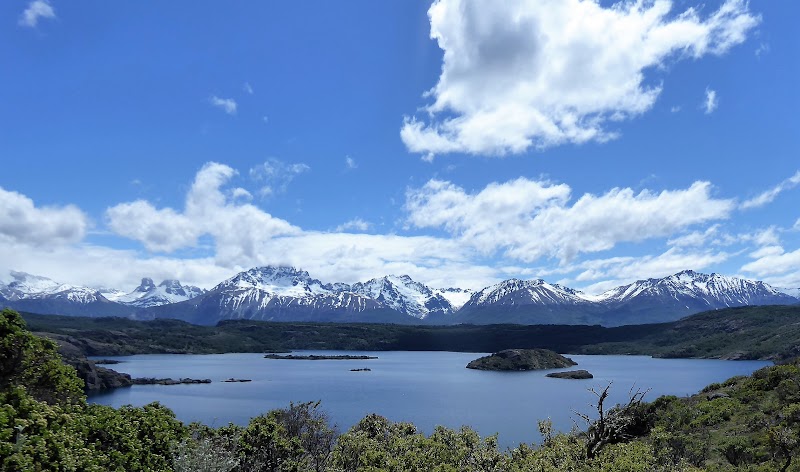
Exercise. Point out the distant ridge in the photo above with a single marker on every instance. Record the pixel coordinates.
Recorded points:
(283, 293)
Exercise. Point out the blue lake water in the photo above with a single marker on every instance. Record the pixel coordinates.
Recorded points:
(425, 388)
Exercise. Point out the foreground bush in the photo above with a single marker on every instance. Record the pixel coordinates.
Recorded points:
(746, 423)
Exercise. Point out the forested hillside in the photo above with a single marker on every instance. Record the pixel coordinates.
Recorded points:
(768, 332)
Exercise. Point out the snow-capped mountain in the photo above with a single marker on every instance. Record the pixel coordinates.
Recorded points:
(529, 302)
(277, 281)
(27, 292)
(28, 286)
(279, 294)
(291, 294)
(402, 294)
(147, 294)
(689, 292)
(644, 301)
(515, 292)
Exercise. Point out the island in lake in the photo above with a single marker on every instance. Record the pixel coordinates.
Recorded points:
(571, 374)
(522, 359)
(315, 357)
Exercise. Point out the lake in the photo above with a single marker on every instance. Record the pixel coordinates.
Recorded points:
(425, 388)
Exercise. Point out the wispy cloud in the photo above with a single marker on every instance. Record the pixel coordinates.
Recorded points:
(275, 175)
(711, 102)
(248, 89)
(350, 162)
(531, 220)
(228, 105)
(769, 195)
(356, 224)
(36, 10)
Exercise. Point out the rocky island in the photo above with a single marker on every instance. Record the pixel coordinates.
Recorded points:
(168, 381)
(571, 374)
(522, 359)
(314, 357)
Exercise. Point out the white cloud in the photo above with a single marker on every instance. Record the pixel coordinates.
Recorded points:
(350, 162)
(228, 105)
(248, 88)
(769, 195)
(538, 73)
(239, 192)
(675, 109)
(695, 238)
(711, 102)
(765, 251)
(531, 220)
(774, 261)
(356, 224)
(36, 10)
(238, 229)
(245, 236)
(97, 266)
(352, 257)
(23, 222)
(275, 175)
(158, 229)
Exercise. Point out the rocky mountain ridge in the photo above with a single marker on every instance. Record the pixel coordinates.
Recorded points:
(280, 293)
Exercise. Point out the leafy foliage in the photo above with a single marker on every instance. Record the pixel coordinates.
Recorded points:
(745, 423)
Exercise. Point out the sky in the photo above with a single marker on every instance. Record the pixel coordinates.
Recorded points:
(460, 142)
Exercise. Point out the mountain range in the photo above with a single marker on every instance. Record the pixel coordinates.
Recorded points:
(289, 294)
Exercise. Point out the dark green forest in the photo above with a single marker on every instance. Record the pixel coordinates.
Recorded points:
(746, 423)
(757, 332)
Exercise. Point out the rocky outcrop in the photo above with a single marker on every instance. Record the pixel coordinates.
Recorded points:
(97, 378)
(572, 374)
(522, 359)
(154, 381)
(315, 357)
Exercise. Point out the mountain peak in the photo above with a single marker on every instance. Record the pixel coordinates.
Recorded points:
(276, 280)
(516, 292)
(145, 286)
(403, 294)
(172, 286)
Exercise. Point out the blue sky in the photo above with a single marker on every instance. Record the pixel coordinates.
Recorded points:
(590, 144)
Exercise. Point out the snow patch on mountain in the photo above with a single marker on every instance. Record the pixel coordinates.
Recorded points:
(279, 281)
(526, 292)
(403, 294)
(457, 297)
